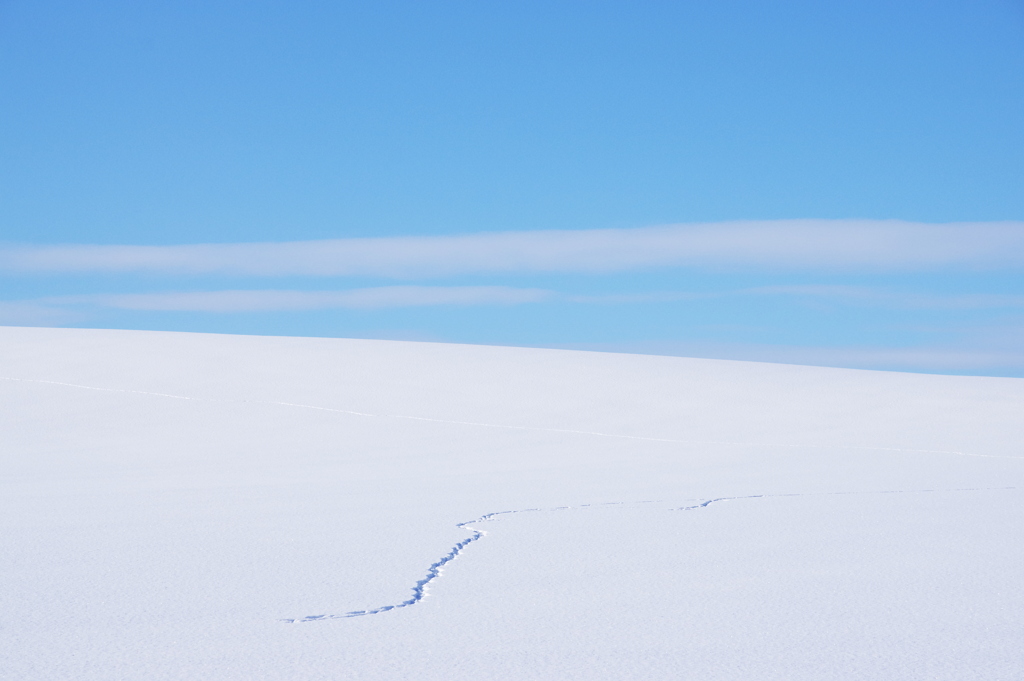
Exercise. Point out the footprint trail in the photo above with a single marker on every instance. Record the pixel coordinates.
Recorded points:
(436, 569)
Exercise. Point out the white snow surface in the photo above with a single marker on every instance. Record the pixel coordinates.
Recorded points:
(194, 506)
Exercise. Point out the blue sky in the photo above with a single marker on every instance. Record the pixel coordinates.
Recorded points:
(846, 179)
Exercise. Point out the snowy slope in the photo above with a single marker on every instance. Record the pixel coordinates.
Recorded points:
(191, 506)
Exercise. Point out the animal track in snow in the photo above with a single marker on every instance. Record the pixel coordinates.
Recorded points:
(419, 590)
(708, 502)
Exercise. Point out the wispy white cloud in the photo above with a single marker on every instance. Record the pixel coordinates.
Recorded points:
(648, 297)
(33, 313)
(860, 295)
(50, 309)
(887, 298)
(266, 301)
(973, 348)
(806, 244)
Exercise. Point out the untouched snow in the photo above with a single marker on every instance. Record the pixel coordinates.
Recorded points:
(191, 506)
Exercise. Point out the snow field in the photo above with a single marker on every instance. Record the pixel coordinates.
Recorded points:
(169, 499)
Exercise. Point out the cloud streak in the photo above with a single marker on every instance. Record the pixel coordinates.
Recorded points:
(32, 313)
(876, 297)
(42, 309)
(886, 245)
(271, 301)
(856, 295)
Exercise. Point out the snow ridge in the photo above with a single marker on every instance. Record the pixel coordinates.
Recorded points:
(436, 569)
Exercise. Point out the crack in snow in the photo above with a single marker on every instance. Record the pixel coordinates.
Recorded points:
(511, 427)
(436, 569)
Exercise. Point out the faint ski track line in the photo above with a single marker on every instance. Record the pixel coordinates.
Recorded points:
(508, 427)
(436, 569)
